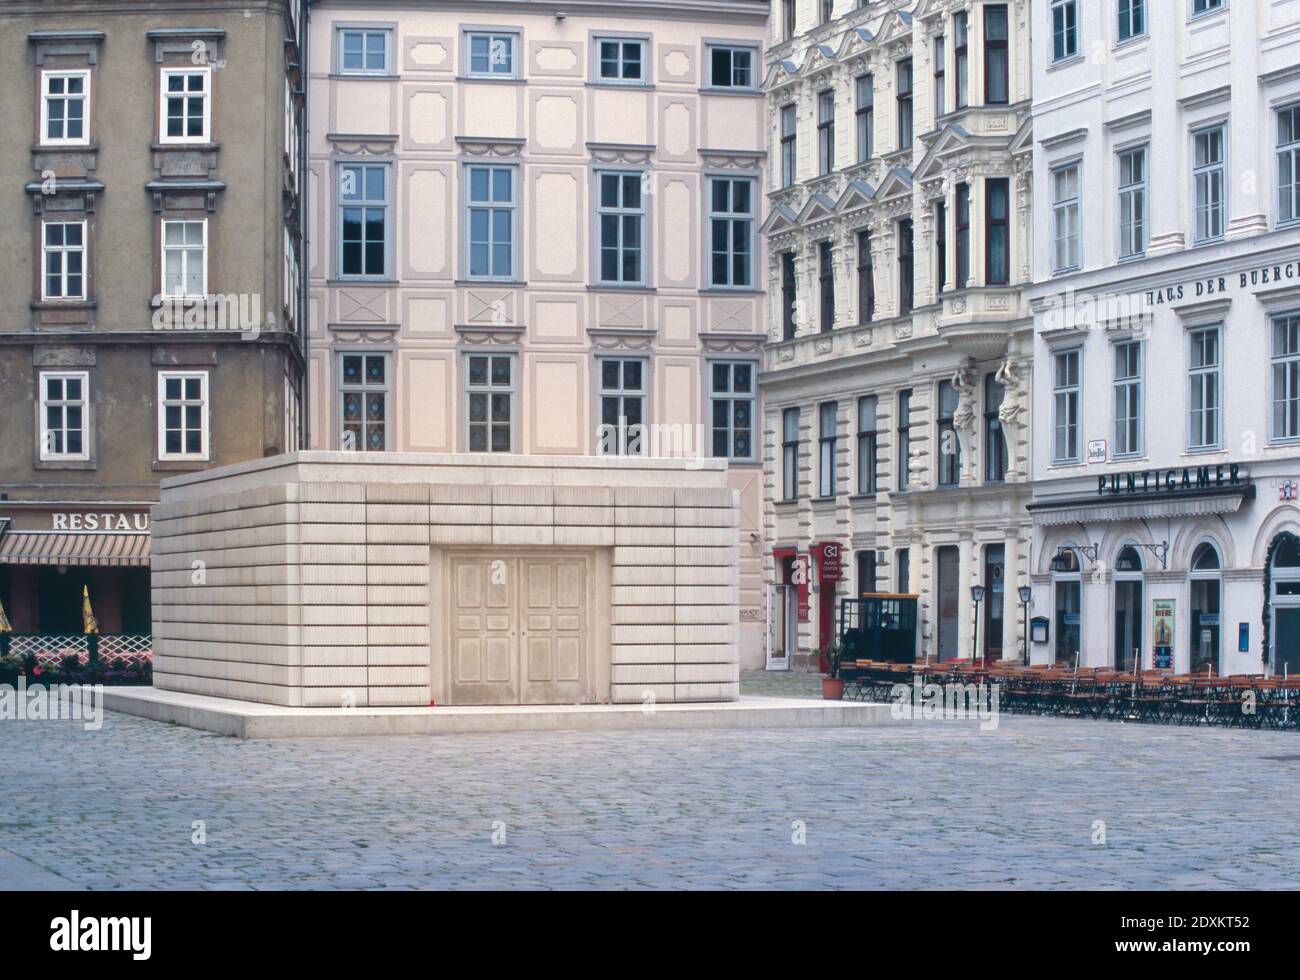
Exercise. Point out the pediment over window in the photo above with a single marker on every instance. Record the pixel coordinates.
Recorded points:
(63, 194)
(622, 338)
(198, 45)
(362, 144)
(67, 44)
(491, 146)
(184, 195)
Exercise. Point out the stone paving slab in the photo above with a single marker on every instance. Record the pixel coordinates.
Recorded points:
(248, 719)
(1037, 803)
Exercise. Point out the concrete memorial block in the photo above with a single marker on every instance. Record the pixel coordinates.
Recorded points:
(392, 579)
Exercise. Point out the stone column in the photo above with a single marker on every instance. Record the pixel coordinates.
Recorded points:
(968, 574)
(1013, 630)
(1248, 202)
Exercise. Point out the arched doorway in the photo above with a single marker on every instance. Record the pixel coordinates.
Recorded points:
(1128, 609)
(1207, 601)
(1284, 595)
(1067, 599)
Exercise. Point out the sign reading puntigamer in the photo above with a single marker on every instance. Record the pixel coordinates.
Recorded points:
(1177, 480)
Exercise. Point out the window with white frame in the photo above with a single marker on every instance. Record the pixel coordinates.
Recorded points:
(789, 146)
(868, 445)
(1065, 406)
(940, 60)
(65, 100)
(491, 202)
(186, 111)
(65, 401)
(63, 245)
(363, 220)
(1286, 377)
(825, 132)
(363, 402)
(997, 66)
(1209, 177)
(1128, 398)
(865, 115)
(826, 449)
(1204, 388)
(621, 59)
(185, 259)
(731, 66)
(365, 51)
(1133, 202)
(491, 55)
(1132, 19)
(1065, 29)
(622, 406)
(1288, 163)
(903, 440)
(1065, 218)
(731, 409)
(961, 56)
(1205, 6)
(904, 99)
(731, 232)
(183, 415)
(490, 391)
(620, 225)
(790, 454)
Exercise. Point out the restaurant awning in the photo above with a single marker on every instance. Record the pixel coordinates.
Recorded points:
(73, 548)
(1087, 510)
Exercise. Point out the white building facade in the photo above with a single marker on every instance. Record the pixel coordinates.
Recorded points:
(898, 364)
(1167, 334)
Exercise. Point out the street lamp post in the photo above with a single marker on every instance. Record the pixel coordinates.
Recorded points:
(1026, 594)
(977, 594)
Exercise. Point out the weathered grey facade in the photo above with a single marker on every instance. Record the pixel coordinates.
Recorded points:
(149, 293)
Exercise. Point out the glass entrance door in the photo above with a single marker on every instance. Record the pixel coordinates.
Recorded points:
(948, 559)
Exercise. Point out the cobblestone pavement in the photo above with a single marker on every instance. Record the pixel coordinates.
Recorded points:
(781, 683)
(936, 805)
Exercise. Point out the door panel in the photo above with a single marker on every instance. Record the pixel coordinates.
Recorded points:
(555, 636)
(483, 642)
(1286, 643)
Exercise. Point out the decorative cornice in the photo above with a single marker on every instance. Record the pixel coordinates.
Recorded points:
(622, 338)
(491, 146)
(629, 153)
(731, 341)
(495, 334)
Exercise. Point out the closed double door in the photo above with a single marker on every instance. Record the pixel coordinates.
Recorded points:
(520, 630)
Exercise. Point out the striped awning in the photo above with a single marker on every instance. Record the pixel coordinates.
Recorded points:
(72, 548)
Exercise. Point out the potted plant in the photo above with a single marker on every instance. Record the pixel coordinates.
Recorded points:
(832, 683)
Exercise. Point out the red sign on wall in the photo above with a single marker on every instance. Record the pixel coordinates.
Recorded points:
(799, 579)
(830, 568)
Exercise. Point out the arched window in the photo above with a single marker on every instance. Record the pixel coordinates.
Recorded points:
(1284, 599)
(1206, 559)
(1207, 600)
(1128, 609)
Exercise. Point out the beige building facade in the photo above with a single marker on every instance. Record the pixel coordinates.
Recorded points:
(897, 373)
(537, 234)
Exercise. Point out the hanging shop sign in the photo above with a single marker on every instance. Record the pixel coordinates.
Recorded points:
(799, 579)
(829, 564)
(1173, 481)
(1162, 632)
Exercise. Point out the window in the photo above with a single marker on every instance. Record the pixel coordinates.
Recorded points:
(866, 279)
(905, 104)
(183, 415)
(825, 132)
(491, 203)
(865, 113)
(1065, 407)
(65, 399)
(731, 231)
(1132, 202)
(905, 270)
(1210, 178)
(1065, 29)
(1205, 6)
(866, 561)
(787, 19)
(826, 449)
(363, 402)
(731, 406)
(365, 51)
(620, 217)
(868, 445)
(65, 98)
(64, 260)
(789, 297)
(1065, 218)
(184, 259)
(622, 406)
(949, 446)
(996, 70)
(963, 235)
(961, 33)
(790, 454)
(940, 82)
(363, 220)
(904, 559)
(1288, 163)
(185, 116)
(997, 238)
(731, 67)
(491, 55)
(826, 282)
(941, 245)
(1286, 377)
(903, 451)
(621, 60)
(489, 386)
(1204, 394)
(995, 445)
(1128, 399)
(825, 11)
(1132, 19)
(789, 146)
